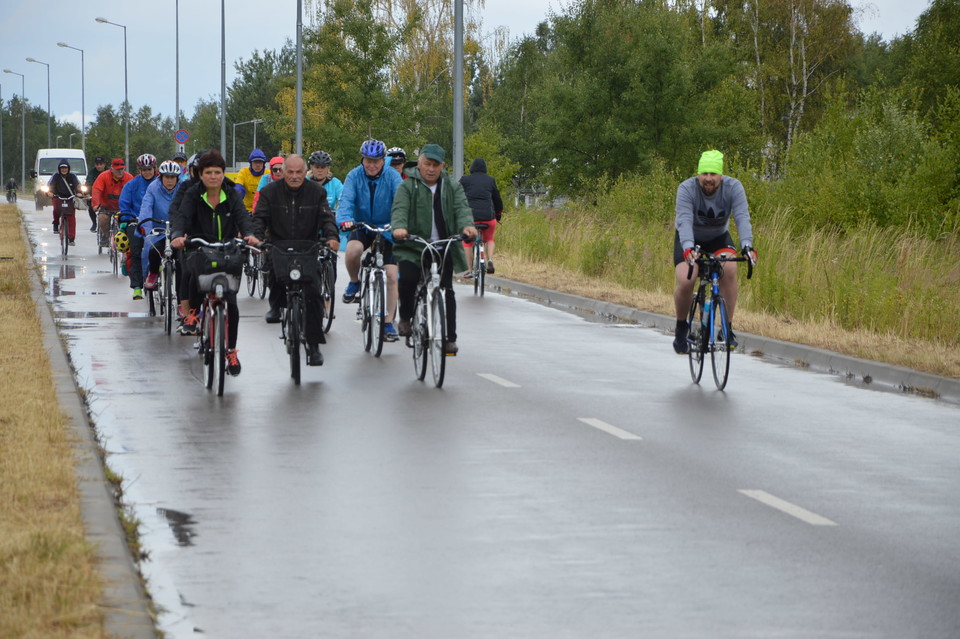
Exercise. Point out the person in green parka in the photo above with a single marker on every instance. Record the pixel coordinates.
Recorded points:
(430, 204)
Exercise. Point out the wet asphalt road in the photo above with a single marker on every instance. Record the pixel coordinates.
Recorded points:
(567, 481)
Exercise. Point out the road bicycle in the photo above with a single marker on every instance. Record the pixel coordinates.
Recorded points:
(296, 263)
(162, 297)
(373, 290)
(217, 267)
(255, 271)
(12, 196)
(708, 319)
(428, 336)
(116, 220)
(328, 282)
(479, 272)
(65, 211)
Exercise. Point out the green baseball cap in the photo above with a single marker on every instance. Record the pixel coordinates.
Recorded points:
(711, 162)
(434, 152)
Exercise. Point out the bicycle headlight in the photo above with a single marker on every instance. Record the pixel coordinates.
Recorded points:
(83, 188)
(45, 188)
(294, 274)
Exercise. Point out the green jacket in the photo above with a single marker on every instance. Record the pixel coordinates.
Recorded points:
(413, 210)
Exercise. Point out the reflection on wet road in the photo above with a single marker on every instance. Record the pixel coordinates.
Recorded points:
(567, 481)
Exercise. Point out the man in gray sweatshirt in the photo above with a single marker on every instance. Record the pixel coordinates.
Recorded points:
(705, 204)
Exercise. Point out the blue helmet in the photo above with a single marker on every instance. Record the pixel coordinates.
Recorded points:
(257, 154)
(374, 149)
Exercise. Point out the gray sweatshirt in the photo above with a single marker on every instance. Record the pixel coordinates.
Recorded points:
(701, 218)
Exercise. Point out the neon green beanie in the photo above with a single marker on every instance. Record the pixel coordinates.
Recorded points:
(711, 162)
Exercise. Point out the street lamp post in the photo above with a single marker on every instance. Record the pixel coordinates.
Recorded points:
(70, 143)
(298, 107)
(49, 131)
(58, 140)
(126, 101)
(235, 125)
(1, 133)
(223, 77)
(83, 123)
(23, 129)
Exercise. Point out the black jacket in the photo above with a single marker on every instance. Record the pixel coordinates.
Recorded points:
(481, 191)
(64, 185)
(195, 218)
(288, 214)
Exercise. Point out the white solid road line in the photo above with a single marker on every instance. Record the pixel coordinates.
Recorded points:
(498, 380)
(791, 509)
(608, 428)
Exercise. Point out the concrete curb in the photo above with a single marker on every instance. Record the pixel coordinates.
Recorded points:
(124, 606)
(865, 373)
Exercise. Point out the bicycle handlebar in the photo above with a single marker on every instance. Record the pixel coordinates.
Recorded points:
(704, 259)
(158, 230)
(199, 241)
(372, 229)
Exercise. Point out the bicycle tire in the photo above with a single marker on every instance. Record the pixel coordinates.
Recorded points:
(64, 236)
(377, 310)
(420, 333)
(169, 307)
(695, 339)
(206, 344)
(477, 267)
(152, 302)
(294, 337)
(482, 274)
(366, 313)
(719, 347)
(262, 275)
(328, 292)
(220, 347)
(249, 272)
(438, 337)
(99, 236)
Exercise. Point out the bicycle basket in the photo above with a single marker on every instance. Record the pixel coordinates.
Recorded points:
(205, 260)
(296, 256)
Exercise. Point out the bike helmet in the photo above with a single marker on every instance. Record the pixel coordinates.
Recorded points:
(121, 242)
(146, 161)
(374, 149)
(63, 163)
(169, 168)
(320, 158)
(396, 154)
(257, 154)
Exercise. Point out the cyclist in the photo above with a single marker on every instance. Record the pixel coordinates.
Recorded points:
(212, 210)
(705, 204)
(368, 197)
(296, 209)
(64, 184)
(249, 176)
(181, 159)
(430, 204)
(321, 172)
(156, 205)
(131, 197)
(105, 195)
(99, 166)
(276, 173)
(484, 198)
(397, 157)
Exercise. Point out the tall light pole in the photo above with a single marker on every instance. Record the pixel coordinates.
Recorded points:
(223, 78)
(126, 101)
(59, 137)
(83, 122)
(23, 129)
(70, 143)
(177, 106)
(299, 105)
(457, 89)
(1, 133)
(49, 131)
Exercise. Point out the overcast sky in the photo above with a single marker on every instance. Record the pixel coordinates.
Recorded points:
(29, 31)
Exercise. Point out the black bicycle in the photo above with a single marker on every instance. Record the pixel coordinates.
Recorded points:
(328, 282)
(479, 271)
(12, 196)
(64, 208)
(162, 297)
(708, 319)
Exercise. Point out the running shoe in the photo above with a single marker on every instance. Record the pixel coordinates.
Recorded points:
(233, 363)
(138, 293)
(390, 333)
(151, 283)
(352, 293)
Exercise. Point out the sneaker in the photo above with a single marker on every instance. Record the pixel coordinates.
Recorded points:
(467, 275)
(732, 342)
(72, 243)
(390, 333)
(404, 329)
(314, 356)
(451, 348)
(233, 363)
(352, 293)
(490, 270)
(680, 345)
(138, 293)
(56, 229)
(93, 228)
(151, 283)
(191, 324)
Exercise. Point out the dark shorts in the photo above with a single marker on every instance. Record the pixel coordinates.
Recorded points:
(365, 237)
(724, 242)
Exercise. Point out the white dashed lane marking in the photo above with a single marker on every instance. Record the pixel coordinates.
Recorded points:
(609, 428)
(791, 509)
(498, 380)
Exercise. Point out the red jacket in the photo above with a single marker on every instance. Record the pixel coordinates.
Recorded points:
(106, 190)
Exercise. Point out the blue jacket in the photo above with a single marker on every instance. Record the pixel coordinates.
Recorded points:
(156, 204)
(334, 189)
(358, 203)
(131, 197)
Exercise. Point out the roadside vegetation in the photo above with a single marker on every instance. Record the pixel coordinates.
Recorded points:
(49, 587)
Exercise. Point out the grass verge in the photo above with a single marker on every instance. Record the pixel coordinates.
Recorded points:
(49, 586)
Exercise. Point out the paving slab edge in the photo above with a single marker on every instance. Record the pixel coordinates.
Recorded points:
(862, 372)
(125, 608)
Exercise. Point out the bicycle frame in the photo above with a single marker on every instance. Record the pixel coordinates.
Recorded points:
(373, 290)
(64, 209)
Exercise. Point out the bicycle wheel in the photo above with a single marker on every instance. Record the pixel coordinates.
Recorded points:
(377, 310)
(477, 267)
(365, 310)
(168, 303)
(64, 236)
(420, 334)
(327, 292)
(207, 334)
(293, 337)
(220, 346)
(152, 301)
(481, 280)
(114, 257)
(262, 275)
(720, 348)
(438, 336)
(695, 339)
(250, 272)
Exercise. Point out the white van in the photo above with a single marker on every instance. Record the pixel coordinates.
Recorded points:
(46, 167)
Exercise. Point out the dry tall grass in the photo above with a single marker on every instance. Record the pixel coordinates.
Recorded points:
(48, 584)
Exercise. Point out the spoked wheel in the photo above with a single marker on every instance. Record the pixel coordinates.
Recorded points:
(478, 267)
(366, 310)
(262, 275)
(720, 349)
(153, 302)
(481, 280)
(420, 336)
(695, 339)
(327, 292)
(207, 341)
(220, 348)
(377, 310)
(64, 237)
(114, 257)
(294, 337)
(99, 237)
(250, 272)
(438, 336)
(169, 304)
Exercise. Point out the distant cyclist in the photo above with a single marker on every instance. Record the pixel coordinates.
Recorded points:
(484, 198)
(275, 173)
(99, 166)
(64, 184)
(249, 176)
(130, 200)
(156, 205)
(397, 157)
(181, 159)
(705, 205)
(105, 195)
(368, 197)
(321, 165)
